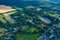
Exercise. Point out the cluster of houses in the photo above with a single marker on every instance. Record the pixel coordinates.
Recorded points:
(49, 34)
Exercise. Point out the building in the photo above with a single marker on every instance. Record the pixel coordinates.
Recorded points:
(45, 20)
(58, 16)
(10, 37)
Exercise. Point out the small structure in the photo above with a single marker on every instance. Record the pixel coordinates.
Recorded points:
(15, 30)
(30, 20)
(10, 37)
(38, 9)
(58, 16)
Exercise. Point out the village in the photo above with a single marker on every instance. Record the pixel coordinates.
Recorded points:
(29, 20)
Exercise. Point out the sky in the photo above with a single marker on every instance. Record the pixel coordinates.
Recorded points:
(54, 1)
(51, 1)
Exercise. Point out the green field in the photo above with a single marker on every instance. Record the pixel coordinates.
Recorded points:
(27, 36)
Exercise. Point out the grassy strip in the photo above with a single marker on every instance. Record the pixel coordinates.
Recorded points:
(27, 36)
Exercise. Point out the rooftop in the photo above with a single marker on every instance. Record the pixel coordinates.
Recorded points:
(46, 20)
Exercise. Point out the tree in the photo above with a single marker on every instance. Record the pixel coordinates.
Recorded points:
(24, 28)
(32, 30)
